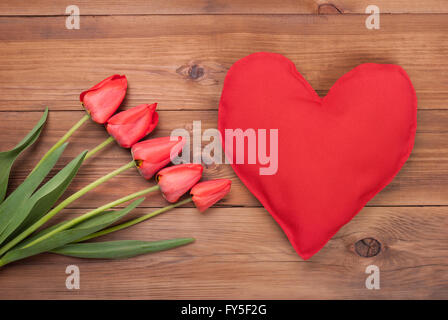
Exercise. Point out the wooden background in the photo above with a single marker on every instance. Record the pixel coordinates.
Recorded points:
(177, 53)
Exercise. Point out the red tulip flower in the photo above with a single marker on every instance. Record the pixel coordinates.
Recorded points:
(128, 127)
(103, 99)
(154, 154)
(207, 193)
(176, 180)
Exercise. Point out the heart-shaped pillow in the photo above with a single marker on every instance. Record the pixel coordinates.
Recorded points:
(334, 153)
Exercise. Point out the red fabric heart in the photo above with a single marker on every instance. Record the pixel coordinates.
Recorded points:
(334, 153)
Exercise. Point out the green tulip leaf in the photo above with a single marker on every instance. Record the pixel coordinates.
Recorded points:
(47, 195)
(16, 207)
(7, 158)
(66, 236)
(119, 249)
(51, 228)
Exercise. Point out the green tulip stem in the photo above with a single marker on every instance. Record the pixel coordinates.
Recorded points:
(135, 221)
(62, 140)
(62, 205)
(99, 147)
(92, 213)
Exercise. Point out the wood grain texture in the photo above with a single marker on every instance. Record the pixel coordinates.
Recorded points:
(177, 53)
(242, 254)
(158, 52)
(138, 7)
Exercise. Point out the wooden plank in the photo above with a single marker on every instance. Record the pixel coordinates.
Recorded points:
(240, 253)
(182, 63)
(116, 7)
(422, 181)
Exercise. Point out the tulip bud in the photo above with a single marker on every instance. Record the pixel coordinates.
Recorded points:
(207, 193)
(128, 127)
(104, 98)
(154, 154)
(176, 180)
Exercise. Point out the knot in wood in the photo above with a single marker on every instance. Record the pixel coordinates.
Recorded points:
(195, 72)
(368, 247)
(189, 127)
(328, 8)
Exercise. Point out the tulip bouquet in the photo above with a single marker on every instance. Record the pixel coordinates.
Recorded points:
(32, 204)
